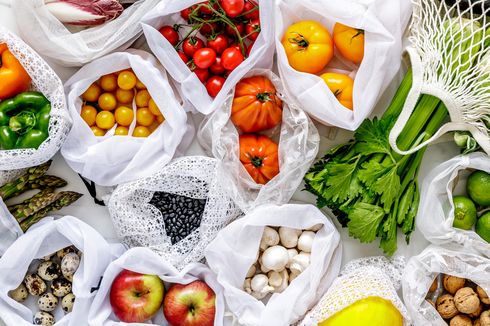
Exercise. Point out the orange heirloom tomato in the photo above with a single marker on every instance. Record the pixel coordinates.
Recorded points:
(259, 156)
(341, 86)
(308, 46)
(13, 77)
(256, 106)
(349, 41)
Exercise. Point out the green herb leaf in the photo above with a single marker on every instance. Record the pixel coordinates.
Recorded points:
(364, 221)
(342, 181)
(372, 137)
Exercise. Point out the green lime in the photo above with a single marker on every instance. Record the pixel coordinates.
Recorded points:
(464, 213)
(483, 227)
(478, 187)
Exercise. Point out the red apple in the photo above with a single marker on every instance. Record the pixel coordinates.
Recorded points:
(190, 304)
(136, 297)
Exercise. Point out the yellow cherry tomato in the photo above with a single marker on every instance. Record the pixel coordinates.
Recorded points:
(105, 120)
(154, 126)
(88, 114)
(160, 118)
(124, 96)
(308, 46)
(92, 93)
(121, 131)
(108, 83)
(141, 131)
(126, 80)
(97, 131)
(142, 98)
(140, 85)
(154, 108)
(342, 86)
(107, 101)
(349, 41)
(144, 117)
(124, 116)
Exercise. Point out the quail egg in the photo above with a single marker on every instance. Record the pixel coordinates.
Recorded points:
(48, 270)
(60, 287)
(69, 265)
(34, 284)
(62, 252)
(47, 302)
(20, 293)
(67, 302)
(43, 318)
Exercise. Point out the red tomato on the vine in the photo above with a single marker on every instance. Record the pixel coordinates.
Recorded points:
(170, 34)
(232, 58)
(217, 67)
(253, 29)
(250, 12)
(191, 45)
(202, 74)
(230, 31)
(219, 43)
(187, 12)
(233, 8)
(209, 28)
(205, 8)
(204, 58)
(214, 85)
(183, 57)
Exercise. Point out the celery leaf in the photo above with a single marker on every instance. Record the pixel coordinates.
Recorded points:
(364, 221)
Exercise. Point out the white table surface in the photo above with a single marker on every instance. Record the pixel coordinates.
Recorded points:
(99, 218)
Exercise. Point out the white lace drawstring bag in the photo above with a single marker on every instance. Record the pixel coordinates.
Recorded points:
(383, 22)
(46, 238)
(44, 80)
(436, 210)
(360, 279)
(450, 60)
(193, 91)
(235, 249)
(145, 261)
(298, 146)
(72, 46)
(111, 160)
(421, 271)
(139, 223)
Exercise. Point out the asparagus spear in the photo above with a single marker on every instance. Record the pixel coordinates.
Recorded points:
(64, 198)
(47, 181)
(30, 206)
(21, 184)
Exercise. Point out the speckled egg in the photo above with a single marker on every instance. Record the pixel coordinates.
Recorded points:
(60, 287)
(19, 294)
(34, 284)
(62, 252)
(69, 265)
(43, 318)
(48, 270)
(47, 302)
(67, 302)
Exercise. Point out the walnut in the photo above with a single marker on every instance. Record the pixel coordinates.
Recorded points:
(485, 318)
(446, 307)
(452, 283)
(433, 286)
(461, 320)
(466, 300)
(477, 322)
(483, 295)
(477, 312)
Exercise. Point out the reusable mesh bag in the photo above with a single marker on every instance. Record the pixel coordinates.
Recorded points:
(44, 80)
(74, 47)
(438, 47)
(140, 224)
(359, 279)
(421, 271)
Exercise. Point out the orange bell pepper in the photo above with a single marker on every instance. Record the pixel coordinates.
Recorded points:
(342, 87)
(13, 77)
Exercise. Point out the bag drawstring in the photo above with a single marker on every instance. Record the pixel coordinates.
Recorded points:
(90, 185)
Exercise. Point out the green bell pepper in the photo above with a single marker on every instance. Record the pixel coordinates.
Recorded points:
(24, 121)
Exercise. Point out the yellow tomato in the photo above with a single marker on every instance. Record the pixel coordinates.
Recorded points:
(107, 101)
(144, 117)
(126, 80)
(154, 108)
(108, 83)
(124, 116)
(92, 93)
(308, 46)
(121, 131)
(97, 131)
(124, 96)
(142, 98)
(160, 118)
(349, 41)
(342, 87)
(105, 120)
(141, 131)
(88, 114)
(140, 85)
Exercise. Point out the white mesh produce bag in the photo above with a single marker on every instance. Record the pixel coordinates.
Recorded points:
(421, 271)
(360, 279)
(9, 228)
(450, 60)
(44, 80)
(138, 223)
(298, 146)
(235, 249)
(193, 91)
(46, 238)
(384, 22)
(145, 261)
(110, 160)
(71, 46)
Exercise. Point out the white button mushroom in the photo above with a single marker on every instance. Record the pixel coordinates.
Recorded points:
(315, 227)
(258, 295)
(270, 238)
(305, 241)
(292, 276)
(260, 284)
(275, 258)
(251, 271)
(284, 282)
(291, 254)
(247, 285)
(289, 236)
(300, 262)
(275, 279)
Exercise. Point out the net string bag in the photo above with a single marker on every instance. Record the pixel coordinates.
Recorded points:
(138, 223)
(359, 279)
(450, 60)
(44, 80)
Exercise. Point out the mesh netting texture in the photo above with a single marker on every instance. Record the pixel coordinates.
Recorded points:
(140, 224)
(44, 80)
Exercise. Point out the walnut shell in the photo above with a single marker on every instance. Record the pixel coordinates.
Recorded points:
(477, 312)
(446, 307)
(453, 283)
(483, 295)
(461, 320)
(466, 300)
(477, 322)
(434, 285)
(485, 318)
